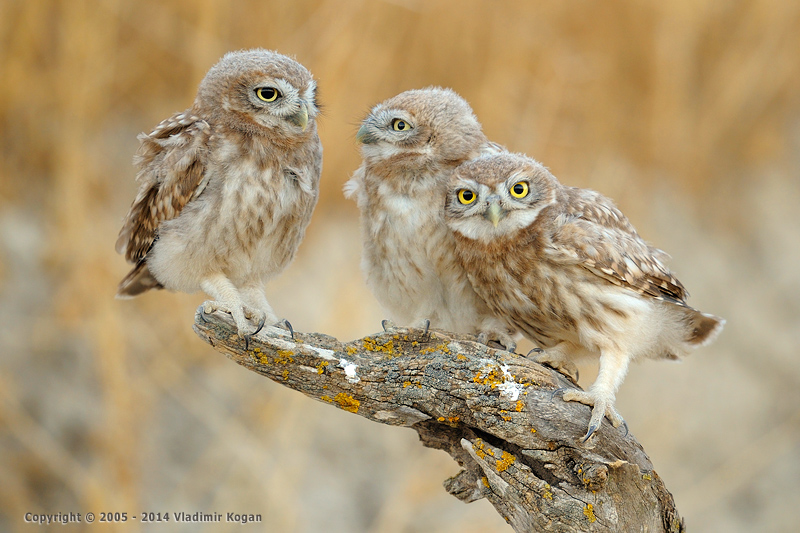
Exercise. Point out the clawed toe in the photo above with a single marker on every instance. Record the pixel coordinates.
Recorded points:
(285, 324)
(388, 325)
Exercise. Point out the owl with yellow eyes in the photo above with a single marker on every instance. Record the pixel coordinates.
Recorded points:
(410, 144)
(227, 188)
(565, 267)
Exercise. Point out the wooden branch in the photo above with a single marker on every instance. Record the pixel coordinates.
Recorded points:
(494, 412)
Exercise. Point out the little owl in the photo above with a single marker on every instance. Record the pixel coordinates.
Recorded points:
(227, 187)
(410, 144)
(565, 267)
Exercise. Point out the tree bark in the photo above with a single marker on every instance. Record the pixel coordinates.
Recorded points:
(496, 413)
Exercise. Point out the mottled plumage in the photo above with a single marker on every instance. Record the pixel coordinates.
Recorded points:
(410, 144)
(565, 267)
(227, 187)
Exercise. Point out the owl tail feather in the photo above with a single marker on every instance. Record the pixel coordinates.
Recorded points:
(703, 328)
(137, 281)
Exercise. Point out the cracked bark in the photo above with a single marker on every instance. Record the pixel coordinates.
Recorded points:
(493, 411)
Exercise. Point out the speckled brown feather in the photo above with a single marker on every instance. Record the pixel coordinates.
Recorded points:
(171, 163)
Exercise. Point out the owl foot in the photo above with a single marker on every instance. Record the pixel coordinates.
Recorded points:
(564, 367)
(241, 316)
(388, 325)
(502, 338)
(600, 407)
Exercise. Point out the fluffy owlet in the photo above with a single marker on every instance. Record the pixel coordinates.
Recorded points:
(410, 145)
(565, 267)
(227, 187)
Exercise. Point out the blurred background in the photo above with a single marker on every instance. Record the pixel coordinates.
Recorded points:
(687, 113)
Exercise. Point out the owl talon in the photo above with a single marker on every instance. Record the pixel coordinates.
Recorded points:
(427, 324)
(387, 325)
(553, 395)
(589, 433)
(534, 350)
(260, 325)
(285, 324)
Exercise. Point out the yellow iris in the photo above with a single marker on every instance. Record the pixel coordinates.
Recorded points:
(400, 125)
(466, 196)
(519, 190)
(267, 94)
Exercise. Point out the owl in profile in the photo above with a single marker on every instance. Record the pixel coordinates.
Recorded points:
(410, 145)
(565, 267)
(227, 187)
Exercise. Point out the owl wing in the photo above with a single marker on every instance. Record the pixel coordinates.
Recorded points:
(171, 161)
(593, 233)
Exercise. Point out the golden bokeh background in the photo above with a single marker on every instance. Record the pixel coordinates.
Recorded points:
(687, 113)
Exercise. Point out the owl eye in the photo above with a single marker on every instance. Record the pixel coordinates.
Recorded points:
(519, 190)
(466, 196)
(267, 94)
(399, 124)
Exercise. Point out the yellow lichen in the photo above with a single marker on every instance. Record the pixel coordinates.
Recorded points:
(533, 430)
(440, 348)
(505, 461)
(589, 512)
(519, 405)
(407, 384)
(485, 482)
(647, 477)
(285, 375)
(488, 376)
(547, 494)
(440, 419)
(351, 350)
(347, 402)
(374, 346)
(477, 446)
(326, 399)
(461, 357)
(283, 357)
(321, 367)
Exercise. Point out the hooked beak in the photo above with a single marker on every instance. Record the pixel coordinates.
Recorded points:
(494, 213)
(301, 117)
(363, 136)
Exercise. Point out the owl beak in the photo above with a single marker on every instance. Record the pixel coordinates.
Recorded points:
(301, 117)
(363, 136)
(494, 213)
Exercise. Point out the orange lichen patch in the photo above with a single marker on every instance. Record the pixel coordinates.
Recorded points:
(326, 399)
(533, 430)
(589, 512)
(438, 348)
(485, 482)
(505, 461)
(407, 384)
(489, 375)
(647, 477)
(450, 420)
(519, 406)
(461, 357)
(372, 345)
(347, 402)
(321, 367)
(285, 375)
(479, 448)
(283, 357)
(351, 350)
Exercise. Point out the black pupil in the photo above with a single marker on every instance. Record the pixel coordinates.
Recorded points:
(401, 125)
(467, 196)
(268, 93)
(519, 188)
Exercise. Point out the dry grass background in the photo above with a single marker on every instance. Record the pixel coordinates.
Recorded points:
(686, 112)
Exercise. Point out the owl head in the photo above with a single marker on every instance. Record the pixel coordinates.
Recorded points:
(495, 196)
(419, 128)
(260, 92)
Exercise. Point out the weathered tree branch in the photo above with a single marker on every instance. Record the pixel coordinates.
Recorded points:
(494, 412)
